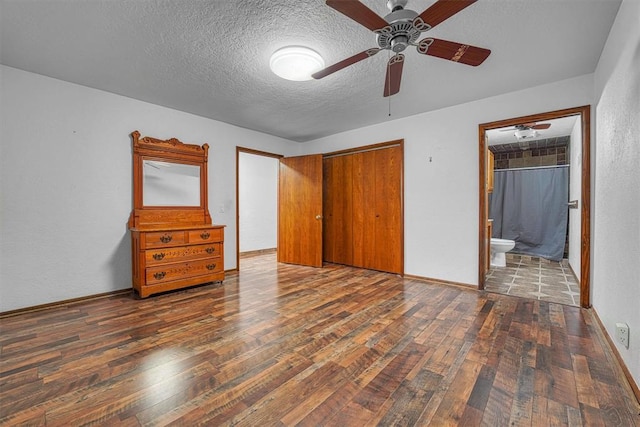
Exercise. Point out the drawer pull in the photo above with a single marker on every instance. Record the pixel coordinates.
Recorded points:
(210, 250)
(166, 238)
(158, 256)
(205, 235)
(211, 266)
(160, 275)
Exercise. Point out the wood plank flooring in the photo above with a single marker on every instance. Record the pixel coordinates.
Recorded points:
(288, 345)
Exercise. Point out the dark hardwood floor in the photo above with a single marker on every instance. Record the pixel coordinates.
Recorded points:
(288, 345)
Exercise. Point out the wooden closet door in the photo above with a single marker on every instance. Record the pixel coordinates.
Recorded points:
(377, 209)
(387, 244)
(364, 202)
(338, 209)
(363, 209)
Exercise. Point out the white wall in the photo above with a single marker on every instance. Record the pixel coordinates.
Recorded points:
(441, 194)
(65, 176)
(258, 193)
(76, 200)
(616, 225)
(575, 193)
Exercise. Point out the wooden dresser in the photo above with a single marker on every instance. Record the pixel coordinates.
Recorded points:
(171, 258)
(173, 242)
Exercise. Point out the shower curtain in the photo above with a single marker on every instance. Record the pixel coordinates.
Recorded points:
(529, 206)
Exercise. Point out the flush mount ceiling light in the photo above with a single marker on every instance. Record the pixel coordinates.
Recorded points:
(295, 63)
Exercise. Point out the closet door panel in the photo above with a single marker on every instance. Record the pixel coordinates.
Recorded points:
(358, 220)
(338, 210)
(387, 187)
(364, 208)
(328, 229)
(343, 248)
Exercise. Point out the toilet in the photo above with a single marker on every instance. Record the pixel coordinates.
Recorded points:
(498, 249)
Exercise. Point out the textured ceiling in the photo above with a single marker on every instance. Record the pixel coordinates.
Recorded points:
(211, 58)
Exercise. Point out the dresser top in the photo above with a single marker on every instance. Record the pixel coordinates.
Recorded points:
(174, 227)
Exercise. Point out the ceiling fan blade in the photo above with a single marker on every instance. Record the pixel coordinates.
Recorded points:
(359, 13)
(345, 63)
(394, 75)
(452, 51)
(439, 12)
(541, 126)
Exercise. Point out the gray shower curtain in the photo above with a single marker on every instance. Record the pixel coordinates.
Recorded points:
(530, 207)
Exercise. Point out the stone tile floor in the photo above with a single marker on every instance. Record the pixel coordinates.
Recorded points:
(538, 278)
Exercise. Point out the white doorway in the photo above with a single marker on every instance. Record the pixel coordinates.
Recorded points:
(257, 199)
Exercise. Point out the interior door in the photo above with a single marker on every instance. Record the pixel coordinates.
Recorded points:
(300, 210)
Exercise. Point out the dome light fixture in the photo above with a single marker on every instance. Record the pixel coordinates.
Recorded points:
(295, 63)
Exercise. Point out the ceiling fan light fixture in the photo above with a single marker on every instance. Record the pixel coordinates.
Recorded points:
(525, 133)
(295, 63)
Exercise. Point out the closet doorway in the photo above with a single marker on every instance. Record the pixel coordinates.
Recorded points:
(363, 207)
(343, 207)
(578, 156)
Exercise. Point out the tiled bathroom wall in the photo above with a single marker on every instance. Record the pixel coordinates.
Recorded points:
(544, 152)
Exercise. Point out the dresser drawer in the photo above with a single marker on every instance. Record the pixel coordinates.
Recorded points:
(181, 253)
(205, 235)
(164, 238)
(168, 272)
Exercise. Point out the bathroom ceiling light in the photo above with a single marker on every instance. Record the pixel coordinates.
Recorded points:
(295, 63)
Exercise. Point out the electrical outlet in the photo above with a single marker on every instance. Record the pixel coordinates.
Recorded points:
(622, 334)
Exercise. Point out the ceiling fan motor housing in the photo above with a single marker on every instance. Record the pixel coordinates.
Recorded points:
(400, 33)
(394, 5)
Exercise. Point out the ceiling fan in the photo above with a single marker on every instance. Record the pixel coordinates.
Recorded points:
(526, 130)
(400, 29)
(527, 126)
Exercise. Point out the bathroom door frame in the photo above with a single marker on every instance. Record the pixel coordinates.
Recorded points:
(584, 112)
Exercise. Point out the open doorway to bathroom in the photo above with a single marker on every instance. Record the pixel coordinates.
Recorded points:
(257, 203)
(534, 185)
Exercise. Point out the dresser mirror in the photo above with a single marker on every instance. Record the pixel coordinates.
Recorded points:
(170, 184)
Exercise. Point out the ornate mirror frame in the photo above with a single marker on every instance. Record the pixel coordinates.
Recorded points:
(171, 151)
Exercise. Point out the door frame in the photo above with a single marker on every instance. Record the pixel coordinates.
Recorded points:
(585, 227)
(257, 153)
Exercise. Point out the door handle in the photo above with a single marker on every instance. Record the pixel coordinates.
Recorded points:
(318, 216)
